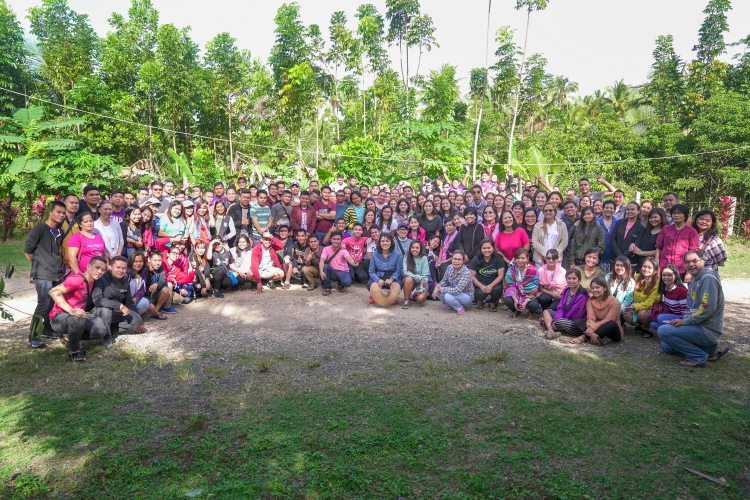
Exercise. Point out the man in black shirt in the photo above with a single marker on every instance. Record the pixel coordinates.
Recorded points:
(90, 202)
(42, 249)
(112, 291)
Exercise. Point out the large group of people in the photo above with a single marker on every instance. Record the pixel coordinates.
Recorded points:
(587, 264)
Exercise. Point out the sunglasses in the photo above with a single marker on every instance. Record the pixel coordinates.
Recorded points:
(548, 211)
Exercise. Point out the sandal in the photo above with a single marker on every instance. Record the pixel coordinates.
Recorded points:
(493, 307)
(159, 316)
(691, 364)
(717, 355)
(79, 356)
(480, 305)
(647, 334)
(326, 292)
(578, 340)
(342, 289)
(311, 288)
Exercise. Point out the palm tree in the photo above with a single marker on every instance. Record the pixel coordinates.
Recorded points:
(559, 89)
(620, 97)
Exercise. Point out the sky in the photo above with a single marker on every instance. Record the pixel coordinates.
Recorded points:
(592, 42)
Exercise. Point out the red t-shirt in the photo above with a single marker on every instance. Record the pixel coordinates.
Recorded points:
(355, 248)
(323, 225)
(509, 243)
(78, 293)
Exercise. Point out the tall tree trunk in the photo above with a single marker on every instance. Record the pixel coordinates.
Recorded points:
(484, 90)
(364, 104)
(299, 134)
(150, 130)
(518, 89)
(231, 149)
(317, 142)
(401, 60)
(336, 103)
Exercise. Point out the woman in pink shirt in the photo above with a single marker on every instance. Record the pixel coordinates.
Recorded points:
(84, 245)
(675, 240)
(510, 238)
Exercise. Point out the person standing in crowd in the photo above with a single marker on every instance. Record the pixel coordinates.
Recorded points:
(68, 227)
(262, 220)
(222, 225)
(619, 198)
(696, 335)
(69, 316)
(470, 236)
(341, 204)
(110, 233)
(645, 246)
(627, 230)
(570, 307)
(522, 285)
(240, 215)
(85, 244)
(549, 233)
(416, 275)
(477, 201)
(131, 231)
(303, 216)
(90, 201)
(334, 265)
(430, 221)
(118, 206)
(670, 200)
(602, 323)
(455, 290)
(510, 237)
(354, 213)
(710, 245)
(529, 220)
(487, 273)
(607, 221)
(282, 212)
(42, 249)
(676, 239)
(587, 234)
(490, 224)
(584, 186)
(325, 213)
(112, 291)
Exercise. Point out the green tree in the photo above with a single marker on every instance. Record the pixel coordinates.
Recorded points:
(12, 58)
(290, 47)
(440, 95)
(69, 44)
(666, 85)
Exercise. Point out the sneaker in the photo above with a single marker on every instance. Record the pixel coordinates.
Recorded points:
(271, 285)
(461, 311)
(253, 286)
(169, 310)
(218, 294)
(305, 285)
(286, 286)
(405, 305)
(446, 306)
(371, 300)
(52, 334)
(187, 300)
(37, 344)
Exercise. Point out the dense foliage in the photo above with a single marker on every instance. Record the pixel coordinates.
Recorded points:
(220, 109)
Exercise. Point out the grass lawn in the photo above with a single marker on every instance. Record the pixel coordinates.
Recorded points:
(12, 252)
(566, 425)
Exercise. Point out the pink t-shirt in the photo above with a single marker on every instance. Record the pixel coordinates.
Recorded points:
(509, 243)
(355, 248)
(89, 248)
(339, 262)
(78, 293)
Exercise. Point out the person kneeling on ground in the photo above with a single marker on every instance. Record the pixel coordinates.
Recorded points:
(601, 324)
(696, 334)
(570, 307)
(69, 317)
(522, 285)
(334, 265)
(455, 290)
(386, 272)
(112, 291)
(265, 261)
(417, 272)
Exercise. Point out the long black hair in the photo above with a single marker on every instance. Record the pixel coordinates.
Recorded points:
(713, 230)
(411, 265)
(584, 229)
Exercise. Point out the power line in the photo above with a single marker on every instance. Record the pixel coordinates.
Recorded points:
(355, 157)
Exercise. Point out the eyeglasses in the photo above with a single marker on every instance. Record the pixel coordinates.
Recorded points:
(551, 258)
(548, 211)
(476, 192)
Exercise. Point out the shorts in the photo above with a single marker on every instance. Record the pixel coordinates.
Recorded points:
(270, 273)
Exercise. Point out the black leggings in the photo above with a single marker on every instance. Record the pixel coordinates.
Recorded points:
(532, 306)
(494, 295)
(360, 273)
(221, 281)
(547, 302)
(441, 270)
(609, 329)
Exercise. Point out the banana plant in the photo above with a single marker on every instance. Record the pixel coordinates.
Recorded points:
(182, 167)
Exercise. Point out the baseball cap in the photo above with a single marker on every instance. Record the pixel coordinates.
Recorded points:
(402, 224)
(151, 201)
(188, 203)
(294, 183)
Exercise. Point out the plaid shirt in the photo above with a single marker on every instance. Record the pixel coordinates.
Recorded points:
(455, 283)
(715, 254)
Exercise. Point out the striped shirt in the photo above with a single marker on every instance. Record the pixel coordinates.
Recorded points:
(676, 300)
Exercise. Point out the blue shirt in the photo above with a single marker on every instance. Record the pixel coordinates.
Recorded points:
(379, 265)
(607, 255)
(340, 209)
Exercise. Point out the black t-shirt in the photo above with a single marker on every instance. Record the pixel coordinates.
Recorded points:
(431, 226)
(487, 272)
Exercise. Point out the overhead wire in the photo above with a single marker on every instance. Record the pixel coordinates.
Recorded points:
(357, 157)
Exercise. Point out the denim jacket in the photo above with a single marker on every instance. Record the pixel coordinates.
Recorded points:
(379, 265)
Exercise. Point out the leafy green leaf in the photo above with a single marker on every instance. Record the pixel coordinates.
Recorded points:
(12, 139)
(60, 144)
(17, 165)
(26, 115)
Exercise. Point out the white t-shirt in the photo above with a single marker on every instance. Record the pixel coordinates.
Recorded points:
(551, 239)
(242, 260)
(112, 235)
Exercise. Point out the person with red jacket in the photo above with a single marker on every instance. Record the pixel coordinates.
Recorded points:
(265, 262)
(177, 267)
(303, 216)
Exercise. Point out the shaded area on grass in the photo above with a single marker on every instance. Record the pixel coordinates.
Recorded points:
(559, 426)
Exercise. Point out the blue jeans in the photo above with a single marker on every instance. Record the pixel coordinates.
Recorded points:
(142, 305)
(343, 277)
(688, 340)
(457, 302)
(44, 304)
(662, 319)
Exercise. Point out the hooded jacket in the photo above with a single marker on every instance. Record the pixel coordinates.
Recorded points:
(111, 293)
(705, 304)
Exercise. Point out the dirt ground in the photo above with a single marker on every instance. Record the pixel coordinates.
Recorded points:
(302, 323)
